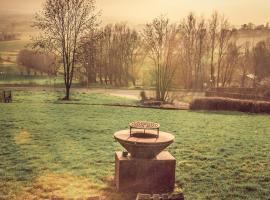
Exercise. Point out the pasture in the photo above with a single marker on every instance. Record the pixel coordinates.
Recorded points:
(50, 148)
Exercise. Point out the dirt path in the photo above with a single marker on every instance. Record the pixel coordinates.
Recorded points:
(131, 94)
(180, 97)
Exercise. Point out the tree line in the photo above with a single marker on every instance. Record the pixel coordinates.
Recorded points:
(110, 55)
(38, 61)
(195, 53)
(8, 36)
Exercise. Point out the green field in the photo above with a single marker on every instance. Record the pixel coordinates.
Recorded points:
(25, 80)
(48, 148)
(12, 46)
(11, 72)
(9, 51)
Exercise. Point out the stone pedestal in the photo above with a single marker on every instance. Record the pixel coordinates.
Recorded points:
(145, 175)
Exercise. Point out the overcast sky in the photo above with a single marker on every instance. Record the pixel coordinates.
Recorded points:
(141, 11)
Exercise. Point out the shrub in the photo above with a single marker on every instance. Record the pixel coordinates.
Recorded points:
(143, 95)
(217, 103)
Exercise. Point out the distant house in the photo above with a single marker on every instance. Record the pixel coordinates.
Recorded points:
(249, 82)
(251, 76)
(265, 82)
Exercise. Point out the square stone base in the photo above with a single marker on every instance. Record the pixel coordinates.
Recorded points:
(145, 175)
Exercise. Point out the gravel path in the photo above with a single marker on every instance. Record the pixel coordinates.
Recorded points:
(131, 94)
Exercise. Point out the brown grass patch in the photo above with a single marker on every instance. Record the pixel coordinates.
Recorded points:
(51, 185)
(22, 137)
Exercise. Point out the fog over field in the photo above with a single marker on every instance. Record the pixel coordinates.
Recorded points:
(140, 11)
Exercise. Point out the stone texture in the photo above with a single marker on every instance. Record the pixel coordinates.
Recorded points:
(145, 175)
(173, 196)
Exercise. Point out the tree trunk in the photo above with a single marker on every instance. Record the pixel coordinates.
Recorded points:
(67, 97)
(212, 69)
(133, 81)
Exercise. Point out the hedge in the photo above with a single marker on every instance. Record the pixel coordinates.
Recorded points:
(227, 104)
(237, 96)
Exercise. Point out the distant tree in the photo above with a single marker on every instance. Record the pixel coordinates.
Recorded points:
(245, 63)
(213, 33)
(88, 55)
(267, 26)
(133, 55)
(38, 61)
(161, 43)
(7, 36)
(244, 26)
(201, 50)
(260, 27)
(63, 23)
(224, 37)
(193, 51)
(188, 31)
(108, 53)
(261, 61)
(229, 66)
(111, 54)
(251, 26)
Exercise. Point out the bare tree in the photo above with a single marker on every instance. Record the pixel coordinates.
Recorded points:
(38, 61)
(193, 52)
(63, 23)
(111, 54)
(213, 31)
(87, 54)
(133, 55)
(261, 61)
(201, 48)
(231, 61)
(245, 63)
(224, 37)
(161, 43)
(188, 30)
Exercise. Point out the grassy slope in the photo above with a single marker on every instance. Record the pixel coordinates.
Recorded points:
(13, 46)
(18, 80)
(9, 51)
(68, 150)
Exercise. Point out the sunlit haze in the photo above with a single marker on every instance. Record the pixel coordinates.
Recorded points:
(140, 11)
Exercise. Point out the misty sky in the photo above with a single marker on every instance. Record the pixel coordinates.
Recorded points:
(141, 11)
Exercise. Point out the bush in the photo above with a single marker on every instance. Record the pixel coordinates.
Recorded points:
(211, 103)
(143, 95)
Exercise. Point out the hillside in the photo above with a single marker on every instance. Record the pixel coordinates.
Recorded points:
(21, 24)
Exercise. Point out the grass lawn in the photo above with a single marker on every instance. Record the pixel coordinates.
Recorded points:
(67, 150)
(9, 51)
(32, 80)
(15, 45)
